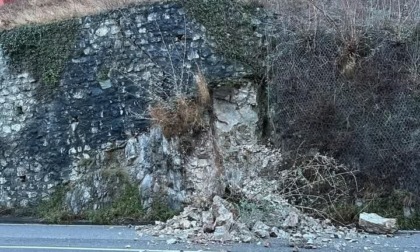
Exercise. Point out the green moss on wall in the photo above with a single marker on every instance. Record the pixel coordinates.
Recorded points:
(230, 23)
(42, 50)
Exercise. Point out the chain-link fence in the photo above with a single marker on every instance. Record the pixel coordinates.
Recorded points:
(356, 100)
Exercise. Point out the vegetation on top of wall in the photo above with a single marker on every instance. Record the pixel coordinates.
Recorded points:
(24, 12)
(40, 49)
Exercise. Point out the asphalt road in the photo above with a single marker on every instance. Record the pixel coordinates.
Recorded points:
(54, 238)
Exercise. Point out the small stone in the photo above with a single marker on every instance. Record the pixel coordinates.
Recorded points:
(185, 224)
(261, 229)
(115, 29)
(16, 127)
(274, 232)
(117, 44)
(171, 241)
(309, 236)
(105, 84)
(152, 17)
(192, 54)
(103, 31)
(208, 228)
(7, 129)
(310, 246)
(338, 247)
(296, 242)
(221, 233)
(292, 220)
(283, 234)
(246, 238)
(297, 235)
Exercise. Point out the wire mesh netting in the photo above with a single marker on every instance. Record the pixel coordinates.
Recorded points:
(358, 102)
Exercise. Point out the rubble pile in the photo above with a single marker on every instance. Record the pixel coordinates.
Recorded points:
(268, 216)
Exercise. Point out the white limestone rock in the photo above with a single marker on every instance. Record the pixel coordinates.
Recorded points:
(374, 223)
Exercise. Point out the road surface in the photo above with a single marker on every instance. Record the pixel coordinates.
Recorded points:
(56, 238)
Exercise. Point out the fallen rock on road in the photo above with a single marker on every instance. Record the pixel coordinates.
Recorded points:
(376, 224)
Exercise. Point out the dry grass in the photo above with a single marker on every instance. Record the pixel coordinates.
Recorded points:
(308, 13)
(202, 89)
(347, 17)
(183, 116)
(22, 12)
(179, 118)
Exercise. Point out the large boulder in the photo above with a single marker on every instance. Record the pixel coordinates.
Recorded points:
(373, 223)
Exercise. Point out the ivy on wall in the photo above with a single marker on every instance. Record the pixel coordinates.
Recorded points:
(42, 50)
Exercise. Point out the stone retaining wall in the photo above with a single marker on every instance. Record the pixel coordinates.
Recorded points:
(121, 62)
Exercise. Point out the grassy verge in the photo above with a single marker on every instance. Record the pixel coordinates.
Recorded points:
(54, 210)
(126, 208)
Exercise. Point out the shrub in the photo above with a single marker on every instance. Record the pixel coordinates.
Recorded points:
(315, 183)
(183, 116)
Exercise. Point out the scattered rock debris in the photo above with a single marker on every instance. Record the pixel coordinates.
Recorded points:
(223, 222)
